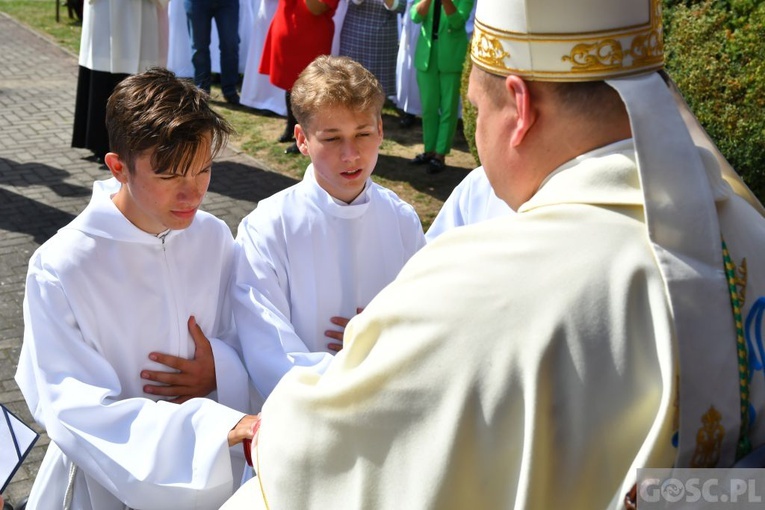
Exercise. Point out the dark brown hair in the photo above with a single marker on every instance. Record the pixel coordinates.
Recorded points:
(331, 82)
(156, 111)
(596, 99)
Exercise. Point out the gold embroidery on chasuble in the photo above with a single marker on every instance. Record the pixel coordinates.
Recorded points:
(708, 440)
(741, 280)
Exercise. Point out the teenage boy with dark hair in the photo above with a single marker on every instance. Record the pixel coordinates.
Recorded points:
(140, 272)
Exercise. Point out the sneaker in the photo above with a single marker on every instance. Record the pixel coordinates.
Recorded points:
(232, 99)
(292, 149)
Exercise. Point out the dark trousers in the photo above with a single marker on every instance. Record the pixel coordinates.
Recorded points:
(200, 15)
(93, 90)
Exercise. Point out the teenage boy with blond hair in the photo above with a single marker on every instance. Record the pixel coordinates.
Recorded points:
(316, 253)
(140, 272)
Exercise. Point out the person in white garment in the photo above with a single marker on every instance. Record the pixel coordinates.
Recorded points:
(136, 283)
(472, 201)
(119, 38)
(407, 92)
(311, 256)
(257, 91)
(536, 360)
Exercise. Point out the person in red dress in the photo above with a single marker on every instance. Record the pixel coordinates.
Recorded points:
(300, 31)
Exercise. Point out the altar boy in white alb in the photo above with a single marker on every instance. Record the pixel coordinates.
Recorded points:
(472, 201)
(128, 288)
(313, 255)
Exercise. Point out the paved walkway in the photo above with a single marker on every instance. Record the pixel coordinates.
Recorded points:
(44, 183)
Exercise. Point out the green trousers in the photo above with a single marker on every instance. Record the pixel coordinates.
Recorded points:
(440, 96)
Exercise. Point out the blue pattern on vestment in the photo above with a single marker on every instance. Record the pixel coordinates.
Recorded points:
(753, 333)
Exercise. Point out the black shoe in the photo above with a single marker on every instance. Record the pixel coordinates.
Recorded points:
(73, 7)
(435, 166)
(421, 159)
(407, 120)
(288, 135)
(232, 99)
(292, 149)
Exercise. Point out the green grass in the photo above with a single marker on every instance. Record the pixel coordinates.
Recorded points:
(41, 16)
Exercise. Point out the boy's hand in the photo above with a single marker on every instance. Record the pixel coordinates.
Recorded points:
(246, 428)
(338, 335)
(192, 377)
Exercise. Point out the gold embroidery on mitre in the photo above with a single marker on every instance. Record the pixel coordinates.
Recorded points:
(554, 56)
(489, 50)
(647, 49)
(608, 54)
(708, 440)
(599, 56)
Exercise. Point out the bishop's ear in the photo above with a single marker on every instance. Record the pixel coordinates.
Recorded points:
(525, 114)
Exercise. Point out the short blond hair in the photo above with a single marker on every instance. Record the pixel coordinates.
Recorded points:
(332, 82)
